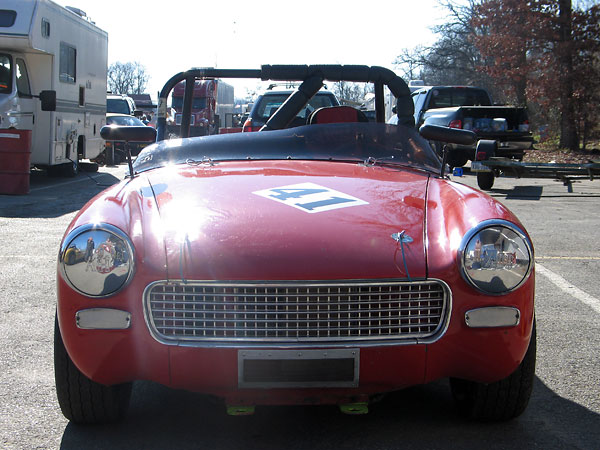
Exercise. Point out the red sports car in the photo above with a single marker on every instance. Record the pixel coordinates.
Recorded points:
(320, 264)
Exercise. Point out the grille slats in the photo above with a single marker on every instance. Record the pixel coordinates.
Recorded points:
(293, 311)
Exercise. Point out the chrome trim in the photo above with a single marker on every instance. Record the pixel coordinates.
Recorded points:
(297, 341)
(493, 317)
(299, 355)
(102, 319)
(102, 227)
(460, 254)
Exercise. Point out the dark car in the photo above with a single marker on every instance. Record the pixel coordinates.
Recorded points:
(117, 148)
(271, 100)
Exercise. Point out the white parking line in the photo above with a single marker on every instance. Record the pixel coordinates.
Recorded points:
(567, 287)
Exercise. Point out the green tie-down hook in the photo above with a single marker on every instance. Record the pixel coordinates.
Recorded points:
(240, 410)
(355, 408)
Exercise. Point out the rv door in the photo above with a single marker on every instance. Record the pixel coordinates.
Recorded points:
(17, 105)
(24, 94)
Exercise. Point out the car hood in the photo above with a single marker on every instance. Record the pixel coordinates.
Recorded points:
(289, 220)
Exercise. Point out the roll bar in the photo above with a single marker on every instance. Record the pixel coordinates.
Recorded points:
(312, 78)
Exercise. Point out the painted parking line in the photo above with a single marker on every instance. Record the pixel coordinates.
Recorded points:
(568, 288)
(573, 258)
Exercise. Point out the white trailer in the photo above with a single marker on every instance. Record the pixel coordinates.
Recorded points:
(46, 47)
(225, 104)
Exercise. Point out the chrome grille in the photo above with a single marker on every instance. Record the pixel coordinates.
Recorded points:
(294, 311)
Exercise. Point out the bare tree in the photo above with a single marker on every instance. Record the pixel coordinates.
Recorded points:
(127, 78)
(452, 59)
(352, 92)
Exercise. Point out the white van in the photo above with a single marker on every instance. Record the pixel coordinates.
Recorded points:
(59, 53)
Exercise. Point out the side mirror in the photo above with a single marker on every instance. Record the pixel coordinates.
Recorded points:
(445, 134)
(138, 113)
(48, 99)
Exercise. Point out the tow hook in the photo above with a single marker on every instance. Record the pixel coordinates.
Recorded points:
(355, 408)
(240, 410)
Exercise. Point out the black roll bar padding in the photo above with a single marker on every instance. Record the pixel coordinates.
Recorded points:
(161, 121)
(375, 74)
(294, 103)
(379, 102)
(184, 130)
(366, 74)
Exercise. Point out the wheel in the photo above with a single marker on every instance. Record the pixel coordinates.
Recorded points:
(82, 400)
(502, 400)
(70, 169)
(485, 180)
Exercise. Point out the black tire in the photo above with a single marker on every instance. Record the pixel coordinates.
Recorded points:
(502, 400)
(485, 180)
(82, 400)
(70, 169)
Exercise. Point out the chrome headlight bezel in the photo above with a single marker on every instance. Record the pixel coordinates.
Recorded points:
(83, 285)
(462, 254)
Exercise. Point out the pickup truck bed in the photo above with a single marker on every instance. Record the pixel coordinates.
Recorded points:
(470, 108)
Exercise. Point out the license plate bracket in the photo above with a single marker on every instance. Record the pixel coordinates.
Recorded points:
(298, 368)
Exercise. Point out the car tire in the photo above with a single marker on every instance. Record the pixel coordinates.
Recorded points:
(70, 169)
(485, 180)
(82, 400)
(500, 401)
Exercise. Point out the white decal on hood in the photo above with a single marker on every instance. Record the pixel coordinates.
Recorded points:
(310, 197)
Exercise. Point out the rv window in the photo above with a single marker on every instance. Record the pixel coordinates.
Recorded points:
(5, 74)
(68, 56)
(45, 28)
(23, 88)
(7, 18)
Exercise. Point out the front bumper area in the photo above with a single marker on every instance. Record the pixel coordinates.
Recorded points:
(294, 373)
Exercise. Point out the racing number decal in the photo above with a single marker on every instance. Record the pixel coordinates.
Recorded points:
(310, 197)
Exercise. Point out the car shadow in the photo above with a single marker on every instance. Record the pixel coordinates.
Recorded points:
(50, 197)
(420, 417)
(520, 192)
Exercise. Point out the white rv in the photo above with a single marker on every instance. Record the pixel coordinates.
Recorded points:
(59, 53)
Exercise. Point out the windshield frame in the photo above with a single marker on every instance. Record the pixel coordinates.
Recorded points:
(366, 143)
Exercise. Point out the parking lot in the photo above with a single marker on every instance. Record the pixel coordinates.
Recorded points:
(564, 411)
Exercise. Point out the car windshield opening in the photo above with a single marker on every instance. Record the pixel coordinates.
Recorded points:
(369, 143)
(271, 103)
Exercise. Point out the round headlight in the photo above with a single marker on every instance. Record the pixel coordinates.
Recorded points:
(495, 257)
(97, 260)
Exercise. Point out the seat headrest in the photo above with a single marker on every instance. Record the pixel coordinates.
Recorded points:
(336, 114)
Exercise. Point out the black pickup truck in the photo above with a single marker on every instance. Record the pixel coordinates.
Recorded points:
(471, 108)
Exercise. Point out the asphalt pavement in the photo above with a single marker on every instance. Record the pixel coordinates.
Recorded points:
(564, 412)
